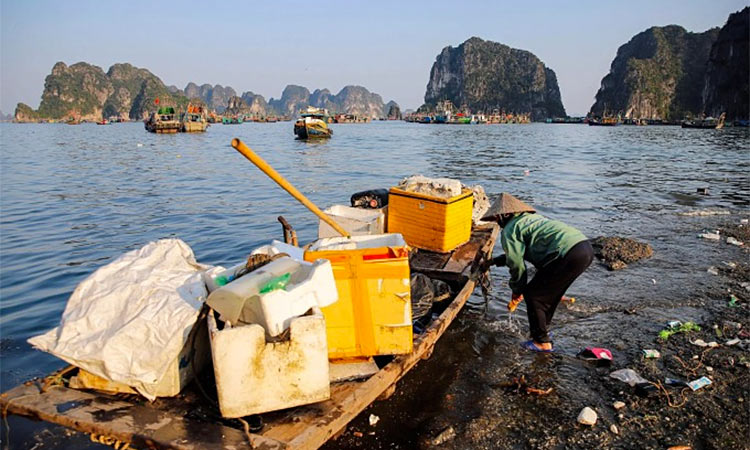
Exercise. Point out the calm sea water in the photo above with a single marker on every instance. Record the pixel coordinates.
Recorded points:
(73, 198)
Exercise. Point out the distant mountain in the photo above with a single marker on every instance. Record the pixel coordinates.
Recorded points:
(355, 100)
(485, 75)
(85, 92)
(726, 86)
(215, 97)
(659, 73)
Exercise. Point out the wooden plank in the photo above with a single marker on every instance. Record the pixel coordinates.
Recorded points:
(142, 426)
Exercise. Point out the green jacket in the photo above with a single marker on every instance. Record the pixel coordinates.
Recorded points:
(534, 238)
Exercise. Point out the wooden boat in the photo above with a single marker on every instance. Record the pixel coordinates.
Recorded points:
(312, 124)
(103, 122)
(236, 120)
(163, 121)
(604, 122)
(194, 119)
(189, 421)
(708, 122)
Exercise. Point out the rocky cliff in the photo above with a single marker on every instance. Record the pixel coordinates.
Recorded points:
(727, 77)
(85, 92)
(485, 76)
(215, 97)
(658, 74)
(355, 100)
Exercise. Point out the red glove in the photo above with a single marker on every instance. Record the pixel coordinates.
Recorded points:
(514, 301)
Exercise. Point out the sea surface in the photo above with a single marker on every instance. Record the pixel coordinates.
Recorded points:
(73, 198)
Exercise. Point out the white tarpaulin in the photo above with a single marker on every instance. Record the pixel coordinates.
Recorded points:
(130, 319)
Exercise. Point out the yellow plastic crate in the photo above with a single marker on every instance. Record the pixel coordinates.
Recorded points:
(373, 313)
(431, 223)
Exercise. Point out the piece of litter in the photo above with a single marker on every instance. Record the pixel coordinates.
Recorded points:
(358, 434)
(526, 172)
(710, 236)
(699, 383)
(713, 270)
(629, 376)
(373, 419)
(651, 353)
(673, 324)
(732, 301)
(653, 280)
(730, 264)
(709, 369)
(713, 344)
(743, 221)
(618, 404)
(733, 241)
(731, 342)
(139, 145)
(613, 428)
(587, 416)
(699, 343)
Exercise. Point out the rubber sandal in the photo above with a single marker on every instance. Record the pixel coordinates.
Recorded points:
(529, 345)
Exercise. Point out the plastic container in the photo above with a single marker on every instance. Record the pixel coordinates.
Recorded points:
(373, 313)
(254, 376)
(357, 221)
(430, 223)
(374, 198)
(274, 294)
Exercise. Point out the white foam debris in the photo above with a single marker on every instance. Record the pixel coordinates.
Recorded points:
(438, 187)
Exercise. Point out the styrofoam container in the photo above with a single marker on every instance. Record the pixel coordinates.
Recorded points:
(310, 285)
(357, 221)
(255, 376)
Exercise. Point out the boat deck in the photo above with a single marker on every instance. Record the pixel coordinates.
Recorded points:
(190, 421)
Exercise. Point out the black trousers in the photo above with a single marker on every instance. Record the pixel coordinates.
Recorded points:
(543, 293)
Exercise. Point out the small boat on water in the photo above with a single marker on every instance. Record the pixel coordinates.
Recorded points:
(103, 122)
(604, 122)
(163, 121)
(312, 124)
(236, 120)
(708, 122)
(194, 119)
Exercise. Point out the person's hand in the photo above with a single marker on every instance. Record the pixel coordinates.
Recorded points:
(514, 301)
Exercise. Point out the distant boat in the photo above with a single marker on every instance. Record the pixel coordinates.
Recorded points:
(708, 122)
(312, 124)
(604, 122)
(194, 119)
(103, 122)
(163, 121)
(236, 120)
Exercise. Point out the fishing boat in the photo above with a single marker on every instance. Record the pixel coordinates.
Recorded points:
(604, 122)
(191, 421)
(103, 122)
(708, 122)
(235, 120)
(163, 121)
(312, 124)
(194, 119)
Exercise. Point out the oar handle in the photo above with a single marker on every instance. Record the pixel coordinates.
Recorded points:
(287, 186)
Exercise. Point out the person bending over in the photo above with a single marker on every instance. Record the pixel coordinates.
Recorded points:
(559, 252)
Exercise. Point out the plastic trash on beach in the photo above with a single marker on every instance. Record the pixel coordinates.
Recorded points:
(712, 236)
(650, 353)
(130, 320)
(699, 383)
(629, 376)
(356, 221)
(598, 354)
(734, 241)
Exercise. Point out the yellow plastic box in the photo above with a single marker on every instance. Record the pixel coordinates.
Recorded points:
(431, 223)
(373, 313)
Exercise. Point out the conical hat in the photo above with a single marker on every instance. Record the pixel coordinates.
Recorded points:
(506, 204)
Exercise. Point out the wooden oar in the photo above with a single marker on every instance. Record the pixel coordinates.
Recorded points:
(275, 176)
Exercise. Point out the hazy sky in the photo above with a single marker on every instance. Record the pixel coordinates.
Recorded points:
(386, 46)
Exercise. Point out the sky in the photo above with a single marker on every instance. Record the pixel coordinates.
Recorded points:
(386, 46)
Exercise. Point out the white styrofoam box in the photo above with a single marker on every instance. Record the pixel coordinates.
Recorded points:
(357, 221)
(310, 284)
(359, 242)
(255, 376)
